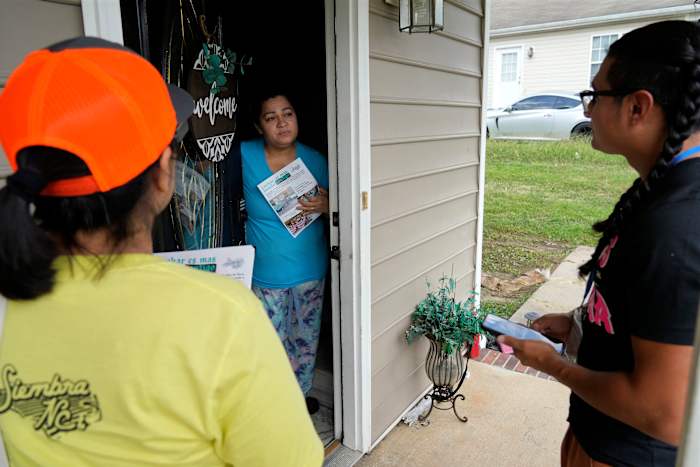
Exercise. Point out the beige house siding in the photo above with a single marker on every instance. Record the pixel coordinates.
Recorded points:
(26, 25)
(425, 123)
(561, 59)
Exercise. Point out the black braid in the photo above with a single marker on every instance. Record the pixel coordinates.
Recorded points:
(682, 120)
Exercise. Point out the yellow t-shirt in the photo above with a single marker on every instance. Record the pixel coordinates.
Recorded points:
(153, 364)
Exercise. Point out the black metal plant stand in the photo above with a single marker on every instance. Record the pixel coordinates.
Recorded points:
(447, 373)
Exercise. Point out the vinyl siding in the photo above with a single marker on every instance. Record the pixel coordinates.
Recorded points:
(26, 25)
(425, 123)
(561, 59)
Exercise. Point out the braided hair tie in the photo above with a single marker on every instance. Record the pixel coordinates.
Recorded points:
(27, 184)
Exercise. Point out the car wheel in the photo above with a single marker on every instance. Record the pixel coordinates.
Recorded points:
(582, 130)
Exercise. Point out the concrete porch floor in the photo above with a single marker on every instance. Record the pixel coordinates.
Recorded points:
(515, 419)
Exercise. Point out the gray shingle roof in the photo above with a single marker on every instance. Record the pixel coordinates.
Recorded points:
(512, 13)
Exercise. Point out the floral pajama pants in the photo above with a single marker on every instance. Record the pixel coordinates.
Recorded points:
(296, 314)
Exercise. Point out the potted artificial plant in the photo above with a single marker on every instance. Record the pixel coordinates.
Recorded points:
(450, 326)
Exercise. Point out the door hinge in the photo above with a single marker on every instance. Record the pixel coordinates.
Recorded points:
(335, 252)
(334, 219)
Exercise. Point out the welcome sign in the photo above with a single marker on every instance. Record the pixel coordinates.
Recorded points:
(214, 88)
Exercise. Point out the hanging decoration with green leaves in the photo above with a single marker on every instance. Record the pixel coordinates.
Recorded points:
(214, 86)
(196, 58)
(217, 63)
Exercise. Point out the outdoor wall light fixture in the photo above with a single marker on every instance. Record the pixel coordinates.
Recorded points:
(530, 52)
(421, 15)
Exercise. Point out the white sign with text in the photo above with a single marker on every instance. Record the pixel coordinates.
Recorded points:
(231, 261)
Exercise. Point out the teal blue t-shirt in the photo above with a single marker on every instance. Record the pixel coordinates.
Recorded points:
(281, 260)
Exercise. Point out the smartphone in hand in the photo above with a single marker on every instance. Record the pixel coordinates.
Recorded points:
(498, 325)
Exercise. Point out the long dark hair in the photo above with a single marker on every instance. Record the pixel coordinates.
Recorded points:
(31, 241)
(267, 91)
(664, 59)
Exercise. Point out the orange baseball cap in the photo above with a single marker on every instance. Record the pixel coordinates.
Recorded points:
(97, 100)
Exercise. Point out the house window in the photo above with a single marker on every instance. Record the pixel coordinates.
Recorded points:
(509, 67)
(600, 47)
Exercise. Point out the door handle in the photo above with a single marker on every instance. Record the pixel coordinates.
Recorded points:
(547, 115)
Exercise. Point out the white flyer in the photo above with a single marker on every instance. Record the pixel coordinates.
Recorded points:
(235, 262)
(284, 189)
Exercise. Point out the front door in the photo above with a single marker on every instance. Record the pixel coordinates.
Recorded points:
(507, 84)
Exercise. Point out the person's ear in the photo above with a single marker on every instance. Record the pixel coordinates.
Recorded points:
(640, 106)
(164, 175)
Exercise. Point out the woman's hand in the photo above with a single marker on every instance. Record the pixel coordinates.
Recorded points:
(556, 325)
(318, 203)
(640, 398)
(538, 355)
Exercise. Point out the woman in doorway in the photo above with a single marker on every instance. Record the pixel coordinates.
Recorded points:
(289, 271)
(630, 381)
(110, 355)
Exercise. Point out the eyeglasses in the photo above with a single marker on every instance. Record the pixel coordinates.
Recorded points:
(589, 97)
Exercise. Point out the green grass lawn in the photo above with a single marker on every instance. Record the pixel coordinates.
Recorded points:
(541, 200)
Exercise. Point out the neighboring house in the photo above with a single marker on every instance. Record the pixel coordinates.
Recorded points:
(405, 156)
(558, 45)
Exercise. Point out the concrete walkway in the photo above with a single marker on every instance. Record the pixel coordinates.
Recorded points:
(562, 292)
(515, 419)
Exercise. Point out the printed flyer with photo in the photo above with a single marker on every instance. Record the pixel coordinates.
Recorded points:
(284, 189)
(235, 262)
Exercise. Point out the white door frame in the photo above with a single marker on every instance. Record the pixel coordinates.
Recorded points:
(329, 11)
(486, 27)
(354, 181)
(103, 18)
(347, 67)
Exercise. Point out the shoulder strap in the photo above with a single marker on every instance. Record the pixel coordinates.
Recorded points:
(4, 461)
(589, 285)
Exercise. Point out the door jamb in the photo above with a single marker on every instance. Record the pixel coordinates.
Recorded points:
(354, 181)
(332, 122)
(103, 18)
(486, 26)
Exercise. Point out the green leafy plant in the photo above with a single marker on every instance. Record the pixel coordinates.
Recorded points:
(440, 317)
(213, 73)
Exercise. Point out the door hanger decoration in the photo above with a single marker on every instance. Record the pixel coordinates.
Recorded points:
(198, 61)
(214, 88)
